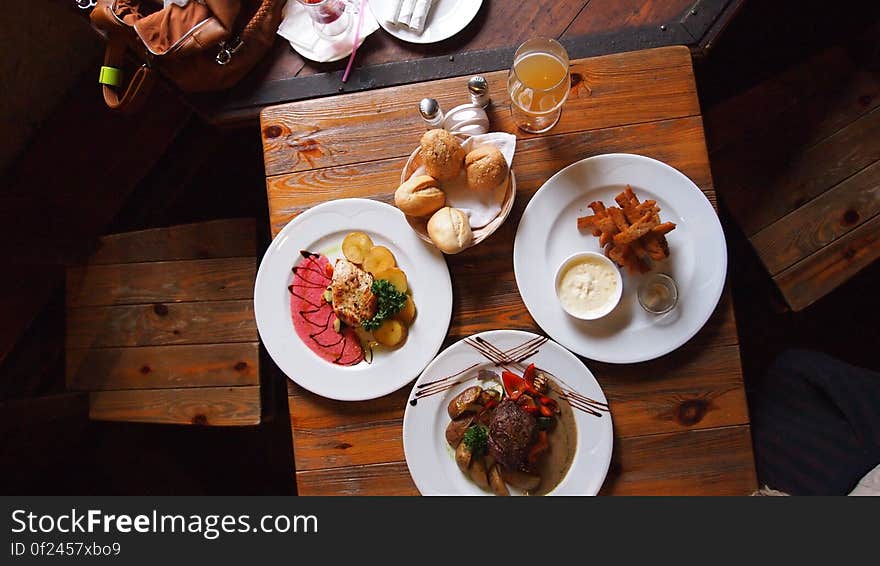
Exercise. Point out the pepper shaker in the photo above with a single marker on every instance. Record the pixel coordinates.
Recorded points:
(478, 88)
(431, 113)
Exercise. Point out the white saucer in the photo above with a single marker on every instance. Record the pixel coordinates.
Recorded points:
(446, 18)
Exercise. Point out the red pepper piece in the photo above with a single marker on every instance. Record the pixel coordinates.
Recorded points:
(514, 385)
(548, 402)
(529, 375)
(491, 404)
(328, 269)
(538, 448)
(528, 404)
(545, 411)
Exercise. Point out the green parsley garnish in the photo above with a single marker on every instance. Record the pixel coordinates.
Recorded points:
(476, 437)
(390, 302)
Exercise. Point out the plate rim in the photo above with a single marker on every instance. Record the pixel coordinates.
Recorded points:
(524, 333)
(685, 337)
(259, 280)
(417, 39)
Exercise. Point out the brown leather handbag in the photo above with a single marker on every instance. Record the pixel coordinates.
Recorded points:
(205, 45)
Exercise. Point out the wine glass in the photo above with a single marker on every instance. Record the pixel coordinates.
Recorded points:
(538, 84)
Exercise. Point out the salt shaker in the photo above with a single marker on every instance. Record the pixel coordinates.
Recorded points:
(431, 113)
(478, 88)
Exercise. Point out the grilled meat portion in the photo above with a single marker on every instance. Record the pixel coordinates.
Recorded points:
(350, 289)
(511, 432)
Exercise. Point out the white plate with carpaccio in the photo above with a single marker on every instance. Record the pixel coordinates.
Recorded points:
(350, 303)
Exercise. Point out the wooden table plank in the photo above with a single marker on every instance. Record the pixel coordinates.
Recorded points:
(677, 142)
(664, 464)
(304, 135)
(215, 406)
(161, 324)
(671, 408)
(163, 367)
(808, 229)
(816, 275)
(601, 15)
(161, 281)
(701, 388)
(203, 240)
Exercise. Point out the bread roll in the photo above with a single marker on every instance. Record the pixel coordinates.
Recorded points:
(450, 230)
(442, 154)
(486, 168)
(419, 196)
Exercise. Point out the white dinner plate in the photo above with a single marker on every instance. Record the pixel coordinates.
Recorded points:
(446, 18)
(548, 233)
(321, 229)
(431, 461)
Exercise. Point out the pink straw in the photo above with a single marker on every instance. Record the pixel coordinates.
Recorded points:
(357, 40)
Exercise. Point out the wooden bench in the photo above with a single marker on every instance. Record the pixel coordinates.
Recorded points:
(796, 160)
(160, 326)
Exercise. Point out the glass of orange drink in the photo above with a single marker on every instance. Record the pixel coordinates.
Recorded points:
(538, 84)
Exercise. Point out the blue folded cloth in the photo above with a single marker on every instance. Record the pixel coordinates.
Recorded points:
(815, 424)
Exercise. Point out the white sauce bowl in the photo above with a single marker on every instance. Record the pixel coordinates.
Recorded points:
(581, 257)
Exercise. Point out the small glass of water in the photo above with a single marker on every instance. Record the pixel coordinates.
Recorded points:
(658, 293)
(331, 18)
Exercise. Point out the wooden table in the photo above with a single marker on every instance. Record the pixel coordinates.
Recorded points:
(586, 27)
(681, 422)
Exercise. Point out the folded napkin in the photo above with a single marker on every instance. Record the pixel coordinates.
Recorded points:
(297, 28)
(412, 14)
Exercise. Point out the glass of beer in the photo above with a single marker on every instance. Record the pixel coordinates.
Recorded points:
(538, 84)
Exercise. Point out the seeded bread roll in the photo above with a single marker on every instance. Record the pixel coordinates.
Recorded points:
(419, 196)
(486, 168)
(450, 230)
(442, 154)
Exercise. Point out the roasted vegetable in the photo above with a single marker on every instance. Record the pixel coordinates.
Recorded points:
(355, 247)
(478, 473)
(463, 457)
(497, 482)
(378, 259)
(538, 448)
(464, 402)
(477, 439)
(521, 480)
(456, 428)
(390, 333)
(396, 277)
(515, 386)
(390, 301)
(408, 312)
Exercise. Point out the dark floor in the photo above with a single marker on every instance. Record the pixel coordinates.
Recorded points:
(765, 38)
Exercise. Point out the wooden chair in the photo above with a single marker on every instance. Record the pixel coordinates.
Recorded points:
(796, 160)
(160, 326)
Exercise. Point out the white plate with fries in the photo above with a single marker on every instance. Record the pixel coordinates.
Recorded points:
(697, 257)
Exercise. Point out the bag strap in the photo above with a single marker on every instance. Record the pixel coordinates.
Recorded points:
(135, 93)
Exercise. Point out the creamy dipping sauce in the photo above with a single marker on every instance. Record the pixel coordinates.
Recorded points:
(587, 286)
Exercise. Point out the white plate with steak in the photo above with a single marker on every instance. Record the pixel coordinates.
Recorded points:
(507, 412)
(349, 302)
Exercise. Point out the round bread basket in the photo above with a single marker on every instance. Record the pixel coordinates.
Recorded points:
(420, 224)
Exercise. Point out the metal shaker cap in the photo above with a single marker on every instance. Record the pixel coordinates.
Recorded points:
(478, 85)
(429, 108)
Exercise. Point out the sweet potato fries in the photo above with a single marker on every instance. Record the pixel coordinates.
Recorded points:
(632, 234)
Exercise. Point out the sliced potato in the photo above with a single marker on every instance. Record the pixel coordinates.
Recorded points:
(395, 276)
(478, 473)
(407, 313)
(378, 259)
(463, 457)
(496, 481)
(390, 333)
(464, 402)
(356, 246)
(456, 428)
